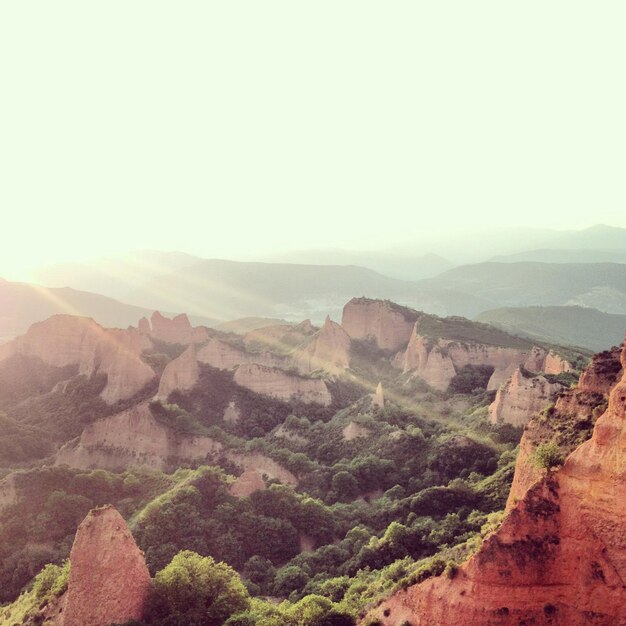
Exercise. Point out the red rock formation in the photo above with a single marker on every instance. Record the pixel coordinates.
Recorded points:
(271, 381)
(574, 409)
(379, 397)
(328, 350)
(558, 559)
(134, 438)
(521, 398)
(69, 340)
(250, 481)
(225, 356)
(389, 324)
(109, 581)
(180, 374)
(144, 326)
(437, 360)
(176, 330)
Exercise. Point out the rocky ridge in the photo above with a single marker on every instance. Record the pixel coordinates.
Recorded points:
(559, 557)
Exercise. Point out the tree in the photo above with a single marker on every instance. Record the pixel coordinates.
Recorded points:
(548, 455)
(196, 591)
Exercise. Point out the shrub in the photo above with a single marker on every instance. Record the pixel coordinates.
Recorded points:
(548, 455)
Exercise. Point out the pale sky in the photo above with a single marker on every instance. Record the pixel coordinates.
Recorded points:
(234, 128)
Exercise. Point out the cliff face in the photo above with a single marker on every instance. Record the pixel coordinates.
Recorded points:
(180, 374)
(274, 382)
(328, 350)
(521, 398)
(574, 413)
(176, 330)
(64, 340)
(559, 557)
(436, 361)
(389, 324)
(133, 438)
(109, 581)
(221, 354)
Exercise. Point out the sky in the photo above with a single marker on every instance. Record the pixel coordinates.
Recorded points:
(236, 129)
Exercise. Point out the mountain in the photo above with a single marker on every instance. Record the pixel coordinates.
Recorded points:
(598, 285)
(564, 256)
(232, 289)
(402, 266)
(562, 325)
(302, 457)
(23, 304)
(115, 276)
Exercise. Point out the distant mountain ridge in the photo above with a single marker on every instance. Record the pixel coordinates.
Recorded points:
(567, 325)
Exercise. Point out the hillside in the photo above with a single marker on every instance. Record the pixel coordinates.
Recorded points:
(598, 285)
(23, 304)
(269, 451)
(571, 325)
(229, 289)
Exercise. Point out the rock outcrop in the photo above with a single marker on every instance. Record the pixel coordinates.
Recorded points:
(109, 581)
(573, 415)
(522, 397)
(352, 430)
(389, 324)
(437, 360)
(271, 381)
(63, 340)
(328, 350)
(280, 338)
(176, 330)
(180, 374)
(558, 559)
(379, 397)
(250, 481)
(223, 355)
(134, 438)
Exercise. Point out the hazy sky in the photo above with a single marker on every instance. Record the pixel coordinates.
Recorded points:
(233, 127)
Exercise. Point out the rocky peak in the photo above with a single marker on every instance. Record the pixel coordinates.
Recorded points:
(109, 581)
(144, 326)
(389, 324)
(176, 330)
(328, 349)
(379, 397)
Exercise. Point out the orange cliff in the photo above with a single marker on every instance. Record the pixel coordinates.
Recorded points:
(328, 349)
(109, 581)
(64, 340)
(389, 324)
(559, 558)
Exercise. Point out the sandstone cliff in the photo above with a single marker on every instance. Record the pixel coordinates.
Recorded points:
(389, 324)
(559, 557)
(63, 340)
(328, 350)
(250, 481)
(175, 330)
(522, 397)
(271, 381)
(134, 438)
(437, 360)
(569, 421)
(222, 355)
(109, 581)
(180, 374)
